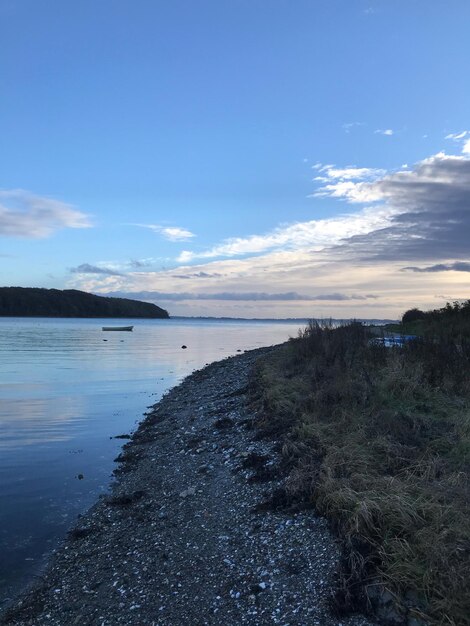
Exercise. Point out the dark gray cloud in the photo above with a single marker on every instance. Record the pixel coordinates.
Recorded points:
(458, 266)
(86, 268)
(290, 296)
(432, 219)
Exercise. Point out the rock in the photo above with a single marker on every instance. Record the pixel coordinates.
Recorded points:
(190, 491)
(223, 422)
(183, 347)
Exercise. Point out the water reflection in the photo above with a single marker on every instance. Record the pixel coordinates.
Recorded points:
(65, 393)
(38, 420)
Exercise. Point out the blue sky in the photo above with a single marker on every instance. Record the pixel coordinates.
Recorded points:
(238, 157)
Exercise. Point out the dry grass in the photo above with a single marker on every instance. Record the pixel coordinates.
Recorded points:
(379, 440)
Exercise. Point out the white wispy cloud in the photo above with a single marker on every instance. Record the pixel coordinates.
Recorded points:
(359, 193)
(24, 214)
(457, 136)
(388, 132)
(348, 126)
(462, 138)
(176, 234)
(351, 183)
(314, 235)
(172, 233)
(330, 172)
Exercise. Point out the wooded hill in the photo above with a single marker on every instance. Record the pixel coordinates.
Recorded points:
(35, 302)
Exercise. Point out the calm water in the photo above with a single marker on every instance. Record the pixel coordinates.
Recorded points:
(66, 388)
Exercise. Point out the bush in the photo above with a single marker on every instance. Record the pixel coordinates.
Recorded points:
(412, 316)
(378, 439)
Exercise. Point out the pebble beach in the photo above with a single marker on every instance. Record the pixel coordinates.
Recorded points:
(181, 538)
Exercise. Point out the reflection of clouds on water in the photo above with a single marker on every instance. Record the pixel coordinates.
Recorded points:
(60, 380)
(65, 393)
(33, 421)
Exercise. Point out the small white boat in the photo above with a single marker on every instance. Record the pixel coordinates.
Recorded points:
(128, 328)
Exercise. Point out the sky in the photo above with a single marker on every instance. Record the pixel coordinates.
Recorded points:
(243, 158)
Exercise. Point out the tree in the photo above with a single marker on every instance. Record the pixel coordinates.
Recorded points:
(412, 315)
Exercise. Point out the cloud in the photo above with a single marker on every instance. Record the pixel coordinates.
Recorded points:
(141, 263)
(388, 132)
(418, 217)
(315, 234)
(457, 136)
(177, 234)
(458, 266)
(419, 213)
(330, 172)
(86, 268)
(197, 275)
(359, 193)
(422, 212)
(428, 211)
(463, 138)
(23, 214)
(240, 296)
(348, 126)
(172, 233)
(136, 264)
(350, 183)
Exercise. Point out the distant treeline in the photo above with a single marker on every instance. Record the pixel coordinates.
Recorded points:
(35, 302)
(452, 320)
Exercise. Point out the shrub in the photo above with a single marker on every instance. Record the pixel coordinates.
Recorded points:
(412, 316)
(378, 439)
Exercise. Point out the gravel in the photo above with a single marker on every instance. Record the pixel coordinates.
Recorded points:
(178, 541)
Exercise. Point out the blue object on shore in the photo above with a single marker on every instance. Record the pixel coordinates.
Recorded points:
(395, 341)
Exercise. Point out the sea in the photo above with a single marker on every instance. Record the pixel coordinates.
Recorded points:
(67, 389)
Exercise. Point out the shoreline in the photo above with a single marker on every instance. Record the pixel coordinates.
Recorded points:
(177, 540)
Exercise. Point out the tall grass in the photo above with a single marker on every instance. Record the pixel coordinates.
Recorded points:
(378, 439)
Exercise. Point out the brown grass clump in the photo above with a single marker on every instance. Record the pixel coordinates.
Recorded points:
(378, 439)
